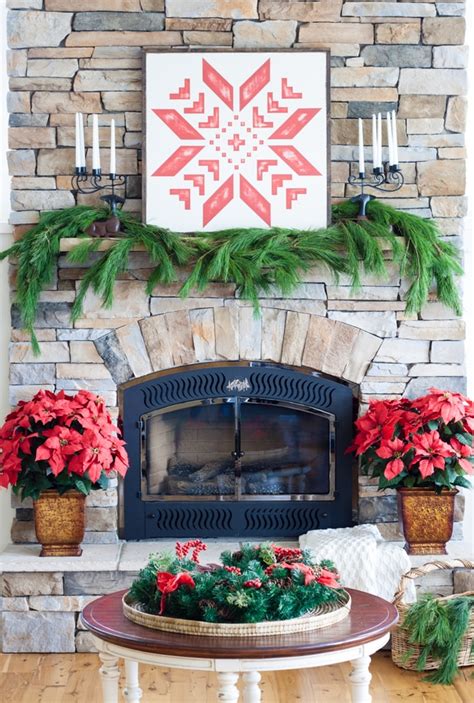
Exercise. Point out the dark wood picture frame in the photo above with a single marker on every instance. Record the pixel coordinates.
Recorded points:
(210, 50)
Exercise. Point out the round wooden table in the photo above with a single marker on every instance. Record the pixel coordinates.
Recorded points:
(353, 639)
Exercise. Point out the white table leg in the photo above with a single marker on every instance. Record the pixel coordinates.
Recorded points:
(228, 690)
(132, 691)
(360, 680)
(109, 676)
(251, 692)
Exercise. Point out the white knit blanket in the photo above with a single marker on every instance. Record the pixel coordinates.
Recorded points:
(363, 558)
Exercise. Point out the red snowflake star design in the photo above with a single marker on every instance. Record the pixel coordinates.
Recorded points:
(235, 133)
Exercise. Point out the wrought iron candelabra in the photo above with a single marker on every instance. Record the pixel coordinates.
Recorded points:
(85, 184)
(387, 179)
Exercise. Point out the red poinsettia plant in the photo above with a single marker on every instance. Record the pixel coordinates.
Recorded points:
(425, 442)
(62, 442)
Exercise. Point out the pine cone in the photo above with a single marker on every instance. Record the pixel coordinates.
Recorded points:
(224, 614)
(207, 604)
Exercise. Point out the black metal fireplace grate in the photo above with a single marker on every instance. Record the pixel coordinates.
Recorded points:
(235, 450)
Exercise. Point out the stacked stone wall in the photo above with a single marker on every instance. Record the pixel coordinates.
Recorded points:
(84, 55)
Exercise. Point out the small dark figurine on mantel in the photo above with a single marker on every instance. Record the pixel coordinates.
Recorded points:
(111, 226)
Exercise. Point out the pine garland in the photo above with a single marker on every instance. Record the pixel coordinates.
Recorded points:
(256, 260)
(438, 628)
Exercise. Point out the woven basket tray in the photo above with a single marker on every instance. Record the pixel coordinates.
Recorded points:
(400, 643)
(324, 616)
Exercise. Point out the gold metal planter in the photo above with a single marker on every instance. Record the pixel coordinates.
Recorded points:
(59, 523)
(426, 519)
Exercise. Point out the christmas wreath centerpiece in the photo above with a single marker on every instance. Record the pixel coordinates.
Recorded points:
(258, 590)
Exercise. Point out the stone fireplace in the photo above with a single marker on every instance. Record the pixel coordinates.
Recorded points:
(67, 56)
(236, 449)
(75, 55)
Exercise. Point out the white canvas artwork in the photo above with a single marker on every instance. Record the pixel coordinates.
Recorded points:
(236, 139)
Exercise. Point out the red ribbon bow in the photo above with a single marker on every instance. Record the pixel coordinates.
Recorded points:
(167, 583)
(323, 576)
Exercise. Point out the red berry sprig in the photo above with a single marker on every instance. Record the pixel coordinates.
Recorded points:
(233, 570)
(253, 583)
(287, 554)
(196, 545)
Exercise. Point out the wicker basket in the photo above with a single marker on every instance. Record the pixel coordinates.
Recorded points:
(324, 616)
(400, 644)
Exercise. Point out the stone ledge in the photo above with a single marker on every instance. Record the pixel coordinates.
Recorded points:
(135, 554)
(132, 556)
(68, 243)
(25, 558)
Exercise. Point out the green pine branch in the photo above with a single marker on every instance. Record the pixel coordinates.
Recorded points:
(257, 260)
(438, 628)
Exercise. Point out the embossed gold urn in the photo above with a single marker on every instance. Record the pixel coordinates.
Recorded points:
(426, 519)
(59, 523)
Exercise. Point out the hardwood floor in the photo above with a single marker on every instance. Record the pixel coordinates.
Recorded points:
(73, 678)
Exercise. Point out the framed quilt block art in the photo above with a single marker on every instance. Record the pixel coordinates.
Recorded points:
(236, 139)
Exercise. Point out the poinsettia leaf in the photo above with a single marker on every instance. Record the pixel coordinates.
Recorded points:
(103, 481)
(463, 482)
(451, 474)
(432, 424)
(441, 479)
(409, 481)
(464, 438)
(81, 486)
(393, 482)
(62, 478)
(63, 489)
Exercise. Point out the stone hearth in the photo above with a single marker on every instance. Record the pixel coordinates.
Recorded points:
(41, 597)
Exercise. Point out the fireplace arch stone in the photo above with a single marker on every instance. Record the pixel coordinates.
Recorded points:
(234, 333)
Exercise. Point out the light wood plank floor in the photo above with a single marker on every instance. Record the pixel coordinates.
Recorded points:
(73, 678)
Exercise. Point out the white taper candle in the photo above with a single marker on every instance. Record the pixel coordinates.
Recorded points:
(95, 144)
(375, 150)
(82, 150)
(379, 139)
(395, 138)
(78, 143)
(113, 169)
(390, 139)
(361, 147)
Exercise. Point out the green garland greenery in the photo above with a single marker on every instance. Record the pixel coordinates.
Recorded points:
(256, 260)
(438, 628)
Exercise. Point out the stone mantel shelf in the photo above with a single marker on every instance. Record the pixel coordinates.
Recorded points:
(132, 556)
(68, 243)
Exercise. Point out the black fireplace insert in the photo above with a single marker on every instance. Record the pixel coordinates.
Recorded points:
(235, 449)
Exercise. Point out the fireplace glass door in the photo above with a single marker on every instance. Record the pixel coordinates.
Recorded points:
(237, 448)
